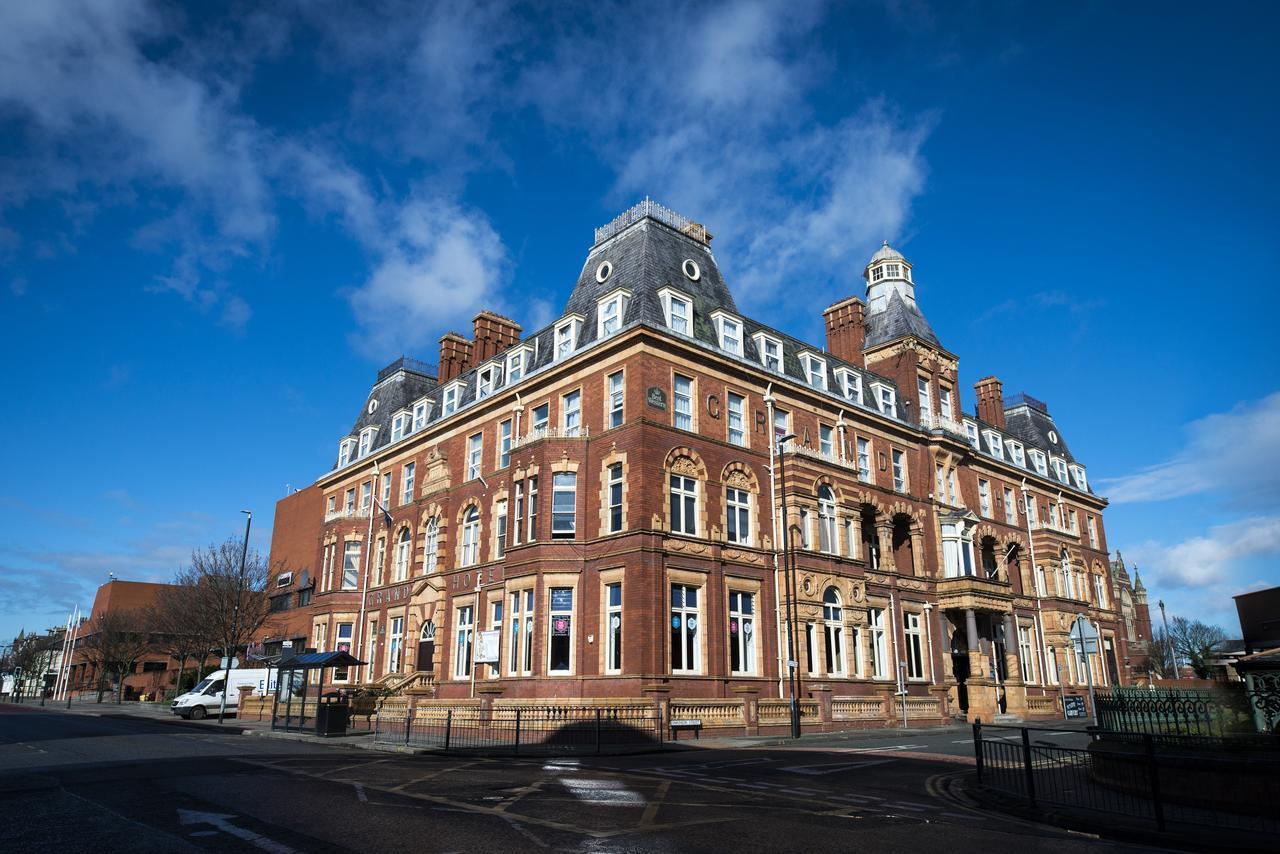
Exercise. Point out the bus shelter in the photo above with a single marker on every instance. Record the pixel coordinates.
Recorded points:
(297, 700)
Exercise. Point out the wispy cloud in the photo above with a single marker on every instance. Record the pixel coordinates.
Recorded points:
(1209, 559)
(1233, 452)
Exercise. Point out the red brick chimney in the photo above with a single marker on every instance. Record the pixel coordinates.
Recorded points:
(990, 401)
(846, 329)
(492, 333)
(455, 356)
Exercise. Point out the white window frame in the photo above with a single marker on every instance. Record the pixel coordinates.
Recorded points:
(1040, 462)
(815, 367)
(611, 309)
(351, 565)
(517, 364)
(615, 490)
(742, 640)
(913, 643)
(488, 379)
(616, 386)
(613, 628)
(1017, 453)
(404, 550)
(879, 646)
(901, 478)
(945, 405)
(475, 455)
(564, 483)
(770, 350)
(397, 427)
(571, 412)
(728, 332)
(520, 655)
(924, 393)
(684, 612)
(505, 435)
(386, 489)
(421, 411)
(1010, 506)
(833, 634)
(464, 626)
(366, 442)
(683, 504)
(984, 497)
(971, 432)
(345, 447)
(471, 536)
(406, 483)
(551, 627)
(1060, 469)
(682, 420)
(670, 298)
(827, 440)
(736, 421)
(566, 337)
(1027, 659)
(995, 443)
(449, 397)
(540, 417)
(827, 532)
(886, 398)
(1092, 524)
(850, 383)
(431, 547)
(737, 516)
(863, 448)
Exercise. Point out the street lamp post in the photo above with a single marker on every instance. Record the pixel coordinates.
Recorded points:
(235, 617)
(793, 663)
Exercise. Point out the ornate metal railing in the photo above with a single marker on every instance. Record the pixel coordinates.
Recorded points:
(1173, 712)
(1263, 693)
(653, 210)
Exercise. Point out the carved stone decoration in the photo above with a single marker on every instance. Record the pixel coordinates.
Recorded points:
(857, 590)
(806, 584)
(738, 480)
(684, 466)
(686, 546)
(437, 472)
(740, 556)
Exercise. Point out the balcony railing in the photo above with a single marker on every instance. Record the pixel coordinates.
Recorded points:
(1056, 528)
(930, 421)
(347, 513)
(549, 433)
(816, 454)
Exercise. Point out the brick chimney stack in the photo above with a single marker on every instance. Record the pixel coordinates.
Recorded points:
(491, 334)
(455, 356)
(846, 329)
(990, 401)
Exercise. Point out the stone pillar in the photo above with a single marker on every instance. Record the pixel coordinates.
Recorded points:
(917, 551)
(1015, 686)
(822, 693)
(884, 535)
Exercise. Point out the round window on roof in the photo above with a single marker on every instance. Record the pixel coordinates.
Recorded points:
(603, 272)
(691, 270)
(373, 406)
(1053, 437)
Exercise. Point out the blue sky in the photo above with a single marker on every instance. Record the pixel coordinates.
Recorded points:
(216, 227)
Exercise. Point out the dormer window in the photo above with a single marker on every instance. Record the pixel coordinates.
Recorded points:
(886, 399)
(877, 274)
(1015, 451)
(971, 431)
(366, 441)
(815, 371)
(1078, 473)
(729, 330)
(944, 402)
(397, 427)
(449, 400)
(345, 447)
(610, 311)
(420, 411)
(850, 383)
(1060, 469)
(995, 442)
(516, 360)
(678, 310)
(567, 336)
(1038, 460)
(486, 381)
(770, 352)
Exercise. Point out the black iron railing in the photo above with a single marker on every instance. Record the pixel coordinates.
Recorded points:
(1173, 711)
(570, 729)
(1138, 776)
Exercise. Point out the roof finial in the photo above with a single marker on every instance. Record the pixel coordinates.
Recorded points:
(886, 242)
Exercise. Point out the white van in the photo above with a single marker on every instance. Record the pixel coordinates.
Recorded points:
(206, 697)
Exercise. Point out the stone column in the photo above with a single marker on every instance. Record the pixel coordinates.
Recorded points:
(884, 534)
(917, 550)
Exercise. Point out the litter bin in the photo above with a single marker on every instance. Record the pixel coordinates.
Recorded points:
(332, 713)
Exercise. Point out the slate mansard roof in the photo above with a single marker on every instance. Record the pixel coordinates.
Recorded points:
(646, 250)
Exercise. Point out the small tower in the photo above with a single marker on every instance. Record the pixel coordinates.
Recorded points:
(901, 345)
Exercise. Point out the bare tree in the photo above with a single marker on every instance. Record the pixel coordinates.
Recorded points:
(232, 603)
(1163, 658)
(181, 628)
(114, 643)
(1195, 642)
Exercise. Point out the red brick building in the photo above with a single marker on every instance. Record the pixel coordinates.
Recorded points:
(607, 494)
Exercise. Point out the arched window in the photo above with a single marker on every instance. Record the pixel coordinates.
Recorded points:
(471, 537)
(826, 519)
(833, 617)
(431, 547)
(403, 546)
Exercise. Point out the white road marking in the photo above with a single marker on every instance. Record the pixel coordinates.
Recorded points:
(223, 822)
(364, 799)
(881, 749)
(831, 769)
(906, 806)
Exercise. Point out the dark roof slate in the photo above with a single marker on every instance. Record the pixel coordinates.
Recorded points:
(898, 320)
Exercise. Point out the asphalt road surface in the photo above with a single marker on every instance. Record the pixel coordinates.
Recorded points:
(71, 783)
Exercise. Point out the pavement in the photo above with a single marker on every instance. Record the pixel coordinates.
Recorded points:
(99, 781)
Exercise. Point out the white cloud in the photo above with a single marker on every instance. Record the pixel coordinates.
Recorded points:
(1235, 453)
(442, 265)
(1209, 559)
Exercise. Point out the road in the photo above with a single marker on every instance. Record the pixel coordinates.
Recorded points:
(73, 783)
